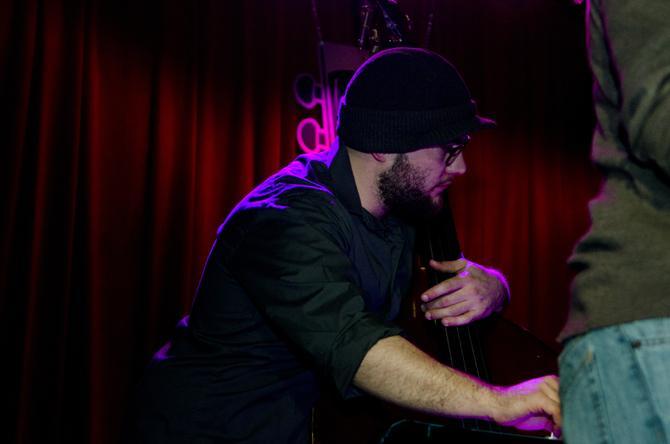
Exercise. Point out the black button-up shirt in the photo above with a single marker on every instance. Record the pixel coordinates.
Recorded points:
(300, 283)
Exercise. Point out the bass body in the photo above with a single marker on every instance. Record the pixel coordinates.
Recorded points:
(495, 350)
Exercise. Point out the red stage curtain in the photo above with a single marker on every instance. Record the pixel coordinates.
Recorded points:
(129, 129)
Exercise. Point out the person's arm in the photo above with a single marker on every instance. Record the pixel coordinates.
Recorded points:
(295, 272)
(396, 371)
(630, 41)
(292, 264)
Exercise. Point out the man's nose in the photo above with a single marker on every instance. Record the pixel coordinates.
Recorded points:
(458, 167)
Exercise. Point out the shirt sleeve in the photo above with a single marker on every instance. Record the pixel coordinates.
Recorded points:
(294, 267)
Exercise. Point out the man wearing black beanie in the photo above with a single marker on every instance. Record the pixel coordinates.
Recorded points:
(305, 279)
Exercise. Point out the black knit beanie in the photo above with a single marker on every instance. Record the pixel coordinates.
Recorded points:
(405, 99)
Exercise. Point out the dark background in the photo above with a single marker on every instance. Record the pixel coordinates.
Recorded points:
(129, 129)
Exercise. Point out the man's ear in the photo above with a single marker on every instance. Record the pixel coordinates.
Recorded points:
(379, 157)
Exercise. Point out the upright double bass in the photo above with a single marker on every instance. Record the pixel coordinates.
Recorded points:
(494, 350)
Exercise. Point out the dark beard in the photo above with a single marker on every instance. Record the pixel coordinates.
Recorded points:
(400, 191)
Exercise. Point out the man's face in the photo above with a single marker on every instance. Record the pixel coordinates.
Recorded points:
(413, 186)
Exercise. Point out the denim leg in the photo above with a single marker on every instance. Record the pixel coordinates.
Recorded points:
(615, 384)
(585, 418)
(650, 341)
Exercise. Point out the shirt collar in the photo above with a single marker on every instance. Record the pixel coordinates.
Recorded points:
(344, 185)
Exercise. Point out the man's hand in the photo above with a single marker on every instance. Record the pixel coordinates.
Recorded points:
(474, 293)
(531, 405)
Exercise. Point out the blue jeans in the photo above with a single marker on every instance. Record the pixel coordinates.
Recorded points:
(615, 384)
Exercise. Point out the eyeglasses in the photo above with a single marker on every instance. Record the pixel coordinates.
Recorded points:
(454, 148)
